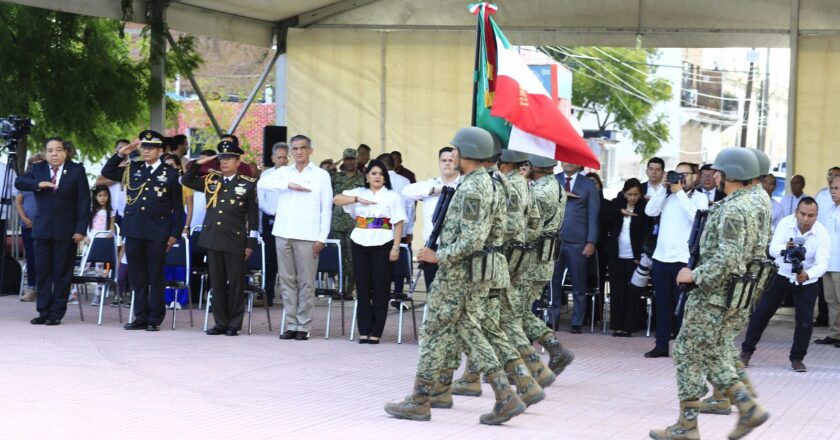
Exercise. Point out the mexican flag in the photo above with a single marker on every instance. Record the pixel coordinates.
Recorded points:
(512, 103)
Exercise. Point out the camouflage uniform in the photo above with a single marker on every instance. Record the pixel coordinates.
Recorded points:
(454, 298)
(727, 246)
(342, 224)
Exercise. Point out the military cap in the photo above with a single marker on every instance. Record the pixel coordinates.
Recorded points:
(541, 161)
(349, 153)
(736, 163)
(228, 149)
(232, 137)
(473, 143)
(513, 156)
(763, 161)
(150, 139)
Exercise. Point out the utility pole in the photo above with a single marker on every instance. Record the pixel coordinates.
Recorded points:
(751, 56)
(765, 105)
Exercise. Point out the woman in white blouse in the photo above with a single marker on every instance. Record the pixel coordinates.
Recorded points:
(380, 215)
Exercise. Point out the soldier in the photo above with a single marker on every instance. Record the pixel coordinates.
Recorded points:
(498, 315)
(726, 247)
(545, 216)
(345, 179)
(231, 214)
(460, 289)
(153, 219)
(718, 403)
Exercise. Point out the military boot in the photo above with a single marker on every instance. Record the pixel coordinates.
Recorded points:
(415, 406)
(441, 395)
(686, 426)
(717, 404)
(469, 384)
(507, 406)
(751, 414)
(559, 358)
(740, 367)
(526, 387)
(539, 370)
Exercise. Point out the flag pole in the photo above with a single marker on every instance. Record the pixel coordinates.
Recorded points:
(476, 71)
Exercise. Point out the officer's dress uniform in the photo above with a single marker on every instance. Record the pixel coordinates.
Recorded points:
(154, 212)
(231, 213)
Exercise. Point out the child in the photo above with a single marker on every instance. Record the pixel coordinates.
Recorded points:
(101, 219)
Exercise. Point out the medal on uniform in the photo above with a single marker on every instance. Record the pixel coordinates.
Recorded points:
(162, 178)
(240, 190)
(158, 191)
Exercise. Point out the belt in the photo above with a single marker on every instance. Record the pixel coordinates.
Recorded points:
(373, 222)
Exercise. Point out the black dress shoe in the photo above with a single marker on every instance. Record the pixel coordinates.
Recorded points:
(52, 322)
(657, 353)
(38, 321)
(231, 332)
(575, 329)
(288, 335)
(152, 328)
(216, 331)
(828, 340)
(135, 326)
(363, 339)
(373, 341)
(302, 336)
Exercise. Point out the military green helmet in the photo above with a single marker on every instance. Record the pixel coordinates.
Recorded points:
(497, 148)
(763, 161)
(512, 156)
(473, 143)
(737, 163)
(541, 162)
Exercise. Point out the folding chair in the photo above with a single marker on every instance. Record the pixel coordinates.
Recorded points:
(256, 282)
(326, 283)
(102, 249)
(198, 262)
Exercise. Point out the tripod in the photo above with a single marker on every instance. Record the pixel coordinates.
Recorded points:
(9, 175)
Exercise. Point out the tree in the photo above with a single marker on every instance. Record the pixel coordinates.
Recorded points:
(619, 87)
(75, 76)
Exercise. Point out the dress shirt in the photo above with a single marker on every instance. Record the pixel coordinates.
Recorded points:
(789, 203)
(153, 166)
(267, 199)
(420, 191)
(777, 212)
(829, 217)
(710, 193)
(398, 183)
(388, 204)
(652, 189)
(677, 212)
(571, 182)
(817, 247)
(625, 248)
(57, 173)
(309, 214)
(823, 197)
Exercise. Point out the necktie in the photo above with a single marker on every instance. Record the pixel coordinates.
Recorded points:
(54, 175)
(568, 185)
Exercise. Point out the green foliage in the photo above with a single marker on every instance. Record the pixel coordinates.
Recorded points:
(618, 86)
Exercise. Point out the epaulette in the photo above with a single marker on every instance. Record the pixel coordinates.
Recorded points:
(248, 178)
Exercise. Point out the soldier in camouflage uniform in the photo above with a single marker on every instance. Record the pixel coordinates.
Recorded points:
(459, 290)
(348, 177)
(545, 216)
(498, 315)
(726, 247)
(718, 403)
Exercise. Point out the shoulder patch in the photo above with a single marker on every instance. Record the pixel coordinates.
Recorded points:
(472, 208)
(731, 228)
(247, 178)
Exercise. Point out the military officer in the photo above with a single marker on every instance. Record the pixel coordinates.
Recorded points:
(727, 246)
(348, 177)
(542, 234)
(229, 233)
(460, 289)
(498, 313)
(153, 218)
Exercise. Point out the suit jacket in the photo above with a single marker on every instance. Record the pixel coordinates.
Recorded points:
(156, 210)
(580, 222)
(227, 223)
(63, 212)
(640, 225)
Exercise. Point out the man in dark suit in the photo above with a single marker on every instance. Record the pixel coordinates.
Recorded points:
(580, 233)
(229, 232)
(153, 218)
(707, 184)
(63, 209)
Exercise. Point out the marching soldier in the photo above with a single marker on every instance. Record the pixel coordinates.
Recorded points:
(229, 233)
(153, 219)
(499, 316)
(348, 177)
(542, 233)
(727, 246)
(460, 289)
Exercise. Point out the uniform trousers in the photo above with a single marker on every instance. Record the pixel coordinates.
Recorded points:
(530, 291)
(146, 259)
(55, 260)
(227, 278)
(297, 267)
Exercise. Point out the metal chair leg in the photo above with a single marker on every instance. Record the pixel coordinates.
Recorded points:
(207, 309)
(131, 309)
(79, 295)
(353, 322)
(250, 310)
(120, 301)
(189, 304)
(174, 309)
(329, 315)
(200, 290)
(283, 321)
(592, 317)
(400, 323)
(102, 302)
(650, 314)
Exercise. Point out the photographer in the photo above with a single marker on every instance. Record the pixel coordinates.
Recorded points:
(676, 203)
(799, 270)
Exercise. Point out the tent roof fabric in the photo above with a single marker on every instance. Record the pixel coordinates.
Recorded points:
(654, 23)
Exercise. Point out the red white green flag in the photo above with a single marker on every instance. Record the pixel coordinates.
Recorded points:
(511, 102)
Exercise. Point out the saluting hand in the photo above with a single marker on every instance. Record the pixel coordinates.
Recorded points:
(204, 159)
(126, 150)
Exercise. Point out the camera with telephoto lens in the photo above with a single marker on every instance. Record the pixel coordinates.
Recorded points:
(14, 127)
(641, 275)
(674, 177)
(795, 255)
